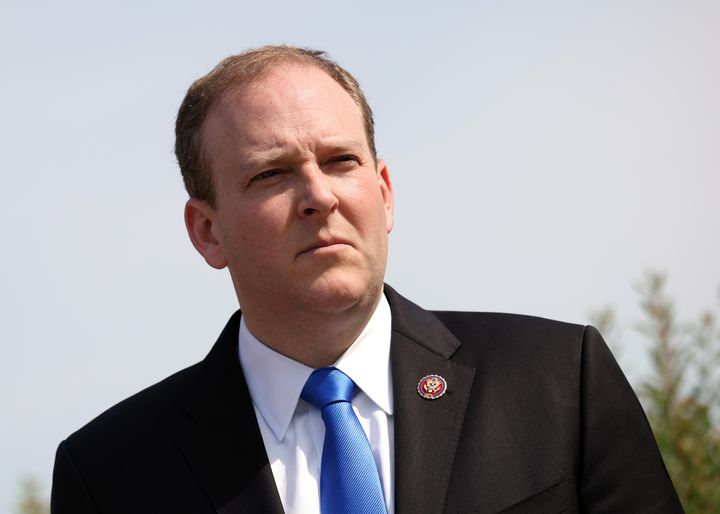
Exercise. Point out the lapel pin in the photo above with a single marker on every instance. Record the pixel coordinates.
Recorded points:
(432, 387)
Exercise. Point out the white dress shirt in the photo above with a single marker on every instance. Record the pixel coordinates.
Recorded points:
(293, 430)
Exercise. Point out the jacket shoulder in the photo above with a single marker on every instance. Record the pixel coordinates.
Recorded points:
(512, 331)
(502, 321)
(142, 413)
(150, 412)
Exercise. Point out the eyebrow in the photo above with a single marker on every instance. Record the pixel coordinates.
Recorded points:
(265, 158)
(277, 155)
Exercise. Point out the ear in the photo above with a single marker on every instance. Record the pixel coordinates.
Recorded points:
(200, 221)
(387, 192)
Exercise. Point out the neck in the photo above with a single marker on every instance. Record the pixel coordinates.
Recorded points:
(316, 339)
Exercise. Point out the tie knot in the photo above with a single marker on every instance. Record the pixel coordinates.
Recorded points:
(326, 386)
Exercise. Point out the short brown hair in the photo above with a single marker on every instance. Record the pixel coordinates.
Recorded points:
(235, 71)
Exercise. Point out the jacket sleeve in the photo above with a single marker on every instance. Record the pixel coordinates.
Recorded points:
(621, 469)
(69, 494)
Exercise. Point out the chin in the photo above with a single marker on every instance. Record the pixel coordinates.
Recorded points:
(334, 294)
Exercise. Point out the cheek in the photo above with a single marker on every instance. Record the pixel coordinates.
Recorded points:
(272, 219)
(368, 216)
(261, 226)
(363, 197)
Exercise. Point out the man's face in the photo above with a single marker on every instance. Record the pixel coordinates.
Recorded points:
(302, 209)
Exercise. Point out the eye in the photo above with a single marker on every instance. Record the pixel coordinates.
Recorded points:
(347, 160)
(265, 175)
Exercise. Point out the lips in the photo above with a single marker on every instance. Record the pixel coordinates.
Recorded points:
(324, 243)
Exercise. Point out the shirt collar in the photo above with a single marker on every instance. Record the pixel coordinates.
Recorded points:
(276, 381)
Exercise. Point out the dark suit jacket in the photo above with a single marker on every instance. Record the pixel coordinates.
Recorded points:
(537, 418)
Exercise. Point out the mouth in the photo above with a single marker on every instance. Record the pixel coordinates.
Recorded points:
(322, 244)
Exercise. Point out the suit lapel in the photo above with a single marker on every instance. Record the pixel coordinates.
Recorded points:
(426, 431)
(220, 439)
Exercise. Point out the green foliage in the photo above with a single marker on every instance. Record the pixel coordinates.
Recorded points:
(682, 395)
(29, 501)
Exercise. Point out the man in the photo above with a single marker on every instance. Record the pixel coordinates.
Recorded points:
(457, 412)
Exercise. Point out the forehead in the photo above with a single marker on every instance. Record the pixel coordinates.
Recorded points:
(287, 96)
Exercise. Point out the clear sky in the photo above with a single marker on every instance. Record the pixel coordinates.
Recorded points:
(544, 154)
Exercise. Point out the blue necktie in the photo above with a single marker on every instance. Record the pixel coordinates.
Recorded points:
(349, 480)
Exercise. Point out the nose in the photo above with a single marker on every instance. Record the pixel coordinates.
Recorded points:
(316, 198)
